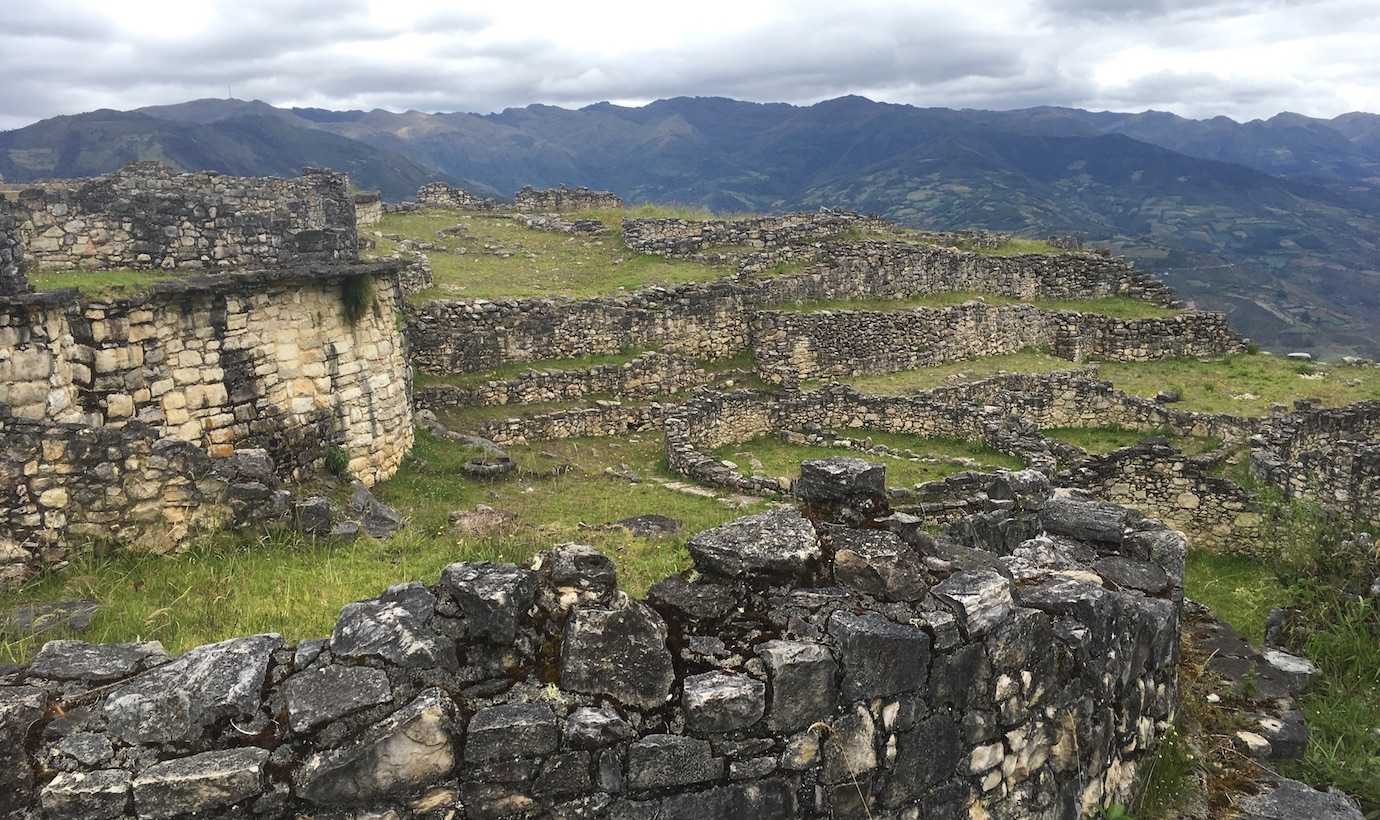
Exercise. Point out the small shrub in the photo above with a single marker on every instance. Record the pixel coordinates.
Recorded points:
(337, 461)
(357, 293)
(1252, 348)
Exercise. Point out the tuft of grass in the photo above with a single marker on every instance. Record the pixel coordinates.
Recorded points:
(499, 258)
(357, 296)
(111, 283)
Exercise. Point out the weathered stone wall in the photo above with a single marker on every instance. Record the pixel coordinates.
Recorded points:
(1158, 480)
(564, 198)
(712, 320)
(12, 278)
(648, 375)
(368, 209)
(445, 195)
(61, 483)
(1327, 456)
(806, 671)
(263, 359)
(693, 237)
(605, 418)
(789, 346)
(149, 216)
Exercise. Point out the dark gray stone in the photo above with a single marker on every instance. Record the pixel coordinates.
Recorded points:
(804, 687)
(87, 748)
(250, 465)
(563, 774)
(1029, 489)
(722, 702)
(21, 707)
(1287, 733)
(579, 567)
(412, 748)
(927, 755)
(879, 657)
(33, 619)
(980, 599)
(199, 783)
(595, 727)
(1292, 800)
(79, 660)
(512, 730)
(377, 519)
(313, 516)
(1085, 520)
(840, 480)
(776, 546)
(661, 761)
(97, 795)
(699, 601)
(1139, 575)
(493, 598)
(318, 696)
(396, 626)
(850, 752)
(880, 564)
(619, 653)
(178, 700)
(648, 526)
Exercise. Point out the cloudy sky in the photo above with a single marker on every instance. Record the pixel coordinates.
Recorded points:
(1241, 58)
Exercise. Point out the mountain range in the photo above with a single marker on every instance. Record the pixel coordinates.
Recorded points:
(1276, 222)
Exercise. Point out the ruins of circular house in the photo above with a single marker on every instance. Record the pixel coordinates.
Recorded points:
(1023, 664)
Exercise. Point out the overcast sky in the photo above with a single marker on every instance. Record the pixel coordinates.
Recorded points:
(1199, 58)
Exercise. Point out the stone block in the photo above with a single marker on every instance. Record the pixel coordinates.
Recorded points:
(199, 784)
(777, 546)
(722, 702)
(318, 696)
(97, 795)
(664, 761)
(511, 731)
(879, 657)
(803, 683)
(618, 653)
(494, 599)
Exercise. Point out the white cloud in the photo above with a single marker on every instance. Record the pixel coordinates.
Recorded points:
(1194, 57)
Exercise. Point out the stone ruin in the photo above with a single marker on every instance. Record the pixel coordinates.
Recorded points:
(563, 198)
(834, 661)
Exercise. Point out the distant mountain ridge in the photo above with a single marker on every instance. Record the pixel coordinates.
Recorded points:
(1276, 221)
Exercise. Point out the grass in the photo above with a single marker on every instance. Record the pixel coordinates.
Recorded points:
(780, 458)
(927, 378)
(114, 282)
(1099, 440)
(1245, 384)
(1118, 306)
(1013, 246)
(228, 585)
(1239, 590)
(498, 258)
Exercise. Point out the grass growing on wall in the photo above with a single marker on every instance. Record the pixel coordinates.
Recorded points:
(926, 378)
(1100, 440)
(509, 371)
(114, 282)
(1120, 307)
(499, 258)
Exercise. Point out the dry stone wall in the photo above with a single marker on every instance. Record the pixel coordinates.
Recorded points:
(1326, 456)
(12, 278)
(263, 359)
(149, 216)
(695, 237)
(368, 209)
(445, 195)
(564, 198)
(790, 346)
(809, 669)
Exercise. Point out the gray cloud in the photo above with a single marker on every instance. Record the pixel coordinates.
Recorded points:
(1195, 57)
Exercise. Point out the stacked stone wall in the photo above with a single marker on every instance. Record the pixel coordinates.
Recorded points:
(64, 483)
(789, 346)
(606, 418)
(692, 237)
(149, 216)
(806, 670)
(445, 195)
(265, 359)
(648, 375)
(564, 198)
(1326, 456)
(12, 278)
(368, 209)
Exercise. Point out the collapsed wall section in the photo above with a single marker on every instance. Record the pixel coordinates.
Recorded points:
(293, 361)
(148, 215)
(1326, 456)
(806, 670)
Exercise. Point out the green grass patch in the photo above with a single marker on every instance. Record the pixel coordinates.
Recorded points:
(228, 585)
(509, 371)
(113, 283)
(497, 257)
(927, 378)
(1245, 384)
(770, 455)
(1013, 246)
(1239, 590)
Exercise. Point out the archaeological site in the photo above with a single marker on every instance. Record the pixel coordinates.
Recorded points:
(315, 505)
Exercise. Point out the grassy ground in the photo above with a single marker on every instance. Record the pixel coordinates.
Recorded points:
(1118, 306)
(781, 459)
(497, 258)
(230, 585)
(926, 378)
(1014, 246)
(1245, 384)
(115, 282)
(1100, 440)
(424, 379)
